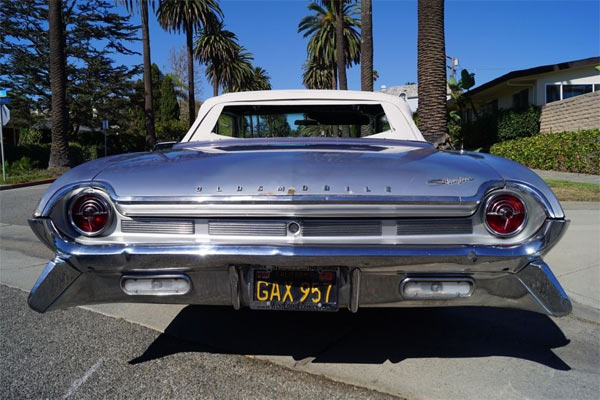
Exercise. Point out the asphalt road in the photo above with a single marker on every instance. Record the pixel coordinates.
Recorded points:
(84, 355)
(466, 353)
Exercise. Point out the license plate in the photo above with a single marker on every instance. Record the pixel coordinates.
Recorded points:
(285, 289)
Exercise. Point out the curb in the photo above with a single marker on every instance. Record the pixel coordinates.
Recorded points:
(26, 184)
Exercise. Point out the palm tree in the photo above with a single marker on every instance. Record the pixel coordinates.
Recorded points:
(321, 28)
(366, 46)
(317, 75)
(236, 74)
(148, 107)
(340, 45)
(59, 149)
(188, 16)
(260, 79)
(215, 46)
(431, 71)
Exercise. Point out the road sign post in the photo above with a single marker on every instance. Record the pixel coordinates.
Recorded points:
(105, 129)
(4, 118)
(2, 107)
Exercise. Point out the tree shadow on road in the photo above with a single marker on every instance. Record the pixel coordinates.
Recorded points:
(372, 336)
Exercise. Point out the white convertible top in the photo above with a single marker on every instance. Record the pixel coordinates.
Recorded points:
(396, 109)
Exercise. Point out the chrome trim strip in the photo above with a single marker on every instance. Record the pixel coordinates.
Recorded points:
(158, 225)
(441, 257)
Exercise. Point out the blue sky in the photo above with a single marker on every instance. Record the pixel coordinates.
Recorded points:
(489, 38)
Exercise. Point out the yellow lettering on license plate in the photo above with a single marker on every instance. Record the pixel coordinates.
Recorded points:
(269, 291)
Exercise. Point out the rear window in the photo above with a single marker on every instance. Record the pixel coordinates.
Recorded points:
(256, 121)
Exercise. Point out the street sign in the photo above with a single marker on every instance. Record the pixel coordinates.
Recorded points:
(4, 100)
(105, 125)
(2, 92)
(5, 115)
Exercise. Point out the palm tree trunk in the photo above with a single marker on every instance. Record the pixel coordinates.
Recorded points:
(431, 70)
(334, 76)
(215, 83)
(148, 108)
(191, 95)
(59, 149)
(366, 46)
(340, 50)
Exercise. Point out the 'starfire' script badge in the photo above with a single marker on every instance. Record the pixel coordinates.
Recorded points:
(450, 181)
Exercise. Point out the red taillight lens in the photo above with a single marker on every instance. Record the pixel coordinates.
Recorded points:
(90, 214)
(505, 214)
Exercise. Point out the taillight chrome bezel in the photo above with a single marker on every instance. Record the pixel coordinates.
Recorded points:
(105, 202)
(494, 196)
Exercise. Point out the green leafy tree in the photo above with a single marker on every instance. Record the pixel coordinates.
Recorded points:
(96, 88)
(169, 107)
(189, 17)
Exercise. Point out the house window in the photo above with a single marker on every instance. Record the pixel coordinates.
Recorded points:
(558, 91)
(521, 99)
(552, 93)
(576, 90)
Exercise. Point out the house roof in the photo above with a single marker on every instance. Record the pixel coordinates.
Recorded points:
(536, 71)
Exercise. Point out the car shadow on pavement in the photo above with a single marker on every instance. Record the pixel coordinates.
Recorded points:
(371, 336)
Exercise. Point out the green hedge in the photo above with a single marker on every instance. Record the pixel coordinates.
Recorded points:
(518, 124)
(566, 151)
(503, 125)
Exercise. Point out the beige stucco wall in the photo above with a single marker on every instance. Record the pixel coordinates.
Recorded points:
(579, 112)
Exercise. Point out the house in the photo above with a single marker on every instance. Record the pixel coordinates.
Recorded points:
(409, 92)
(568, 94)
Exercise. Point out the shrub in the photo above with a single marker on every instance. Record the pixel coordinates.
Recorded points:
(566, 151)
(21, 165)
(518, 124)
(503, 125)
(30, 136)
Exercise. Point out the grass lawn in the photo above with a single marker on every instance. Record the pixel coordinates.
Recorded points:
(28, 176)
(574, 191)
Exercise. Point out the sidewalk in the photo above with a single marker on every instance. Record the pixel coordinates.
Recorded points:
(568, 176)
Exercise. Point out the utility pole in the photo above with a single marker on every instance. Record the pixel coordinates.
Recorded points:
(453, 65)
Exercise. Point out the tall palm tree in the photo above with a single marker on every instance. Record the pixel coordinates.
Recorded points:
(236, 74)
(260, 79)
(431, 71)
(366, 46)
(148, 107)
(321, 27)
(215, 46)
(340, 45)
(59, 149)
(317, 75)
(188, 16)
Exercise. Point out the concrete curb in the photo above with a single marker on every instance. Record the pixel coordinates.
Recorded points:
(26, 184)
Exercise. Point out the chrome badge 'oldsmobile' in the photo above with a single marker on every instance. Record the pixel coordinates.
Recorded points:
(301, 200)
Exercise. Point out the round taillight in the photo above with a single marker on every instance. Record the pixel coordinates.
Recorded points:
(90, 214)
(505, 215)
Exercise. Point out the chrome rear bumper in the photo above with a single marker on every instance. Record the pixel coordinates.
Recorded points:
(371, 276)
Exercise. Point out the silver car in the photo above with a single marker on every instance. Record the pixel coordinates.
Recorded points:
(301, 200)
